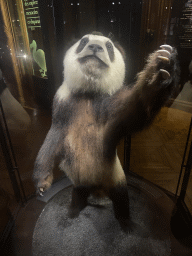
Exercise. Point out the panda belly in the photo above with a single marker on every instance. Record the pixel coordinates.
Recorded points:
(84, 144)
(85, 150)
(92, 170)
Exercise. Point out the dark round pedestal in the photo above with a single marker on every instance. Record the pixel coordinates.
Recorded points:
(96, 232)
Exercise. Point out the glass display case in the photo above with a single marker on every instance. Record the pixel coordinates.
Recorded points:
(34, 37)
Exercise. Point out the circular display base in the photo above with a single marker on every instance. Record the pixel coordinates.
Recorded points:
(97, 232)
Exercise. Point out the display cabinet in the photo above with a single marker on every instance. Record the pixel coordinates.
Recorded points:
(157, 161)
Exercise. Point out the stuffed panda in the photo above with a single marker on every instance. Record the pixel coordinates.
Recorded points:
(93, 110)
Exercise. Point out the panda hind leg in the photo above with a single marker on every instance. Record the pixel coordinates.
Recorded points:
(79, 200)
(120, 198)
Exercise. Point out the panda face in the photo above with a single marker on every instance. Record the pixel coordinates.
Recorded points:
(94, 64)
(101, 50)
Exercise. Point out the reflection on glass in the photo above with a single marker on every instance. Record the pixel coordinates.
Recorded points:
(157, 152)
(32, 19)
(39, 58)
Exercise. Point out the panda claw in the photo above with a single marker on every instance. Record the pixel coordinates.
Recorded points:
(41, 190)
(163, 53)
(165, 74)
(167, 47)
(164, 59)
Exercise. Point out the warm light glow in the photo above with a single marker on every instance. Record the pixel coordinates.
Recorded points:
(11, 43)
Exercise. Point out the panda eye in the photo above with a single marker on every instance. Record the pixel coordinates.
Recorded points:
(109, 45)
(84, 41)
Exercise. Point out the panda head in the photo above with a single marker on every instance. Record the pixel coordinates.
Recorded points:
(94, 64)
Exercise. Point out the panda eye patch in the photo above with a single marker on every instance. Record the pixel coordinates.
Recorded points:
(109, 45)
(84, 41)
(110, 50)
(82, 44)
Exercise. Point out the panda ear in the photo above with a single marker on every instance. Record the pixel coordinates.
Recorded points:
(97, 33)
(111, 36)
(117, 45)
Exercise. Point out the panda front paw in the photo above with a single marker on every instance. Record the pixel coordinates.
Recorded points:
(159, 80)
(43, 184)
(162, 68)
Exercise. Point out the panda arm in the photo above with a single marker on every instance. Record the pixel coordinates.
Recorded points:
(131, 110)
(52, 147)
(44, 163)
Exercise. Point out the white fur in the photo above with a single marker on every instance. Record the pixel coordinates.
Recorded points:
(107, 80)
(118, 175)
(63, 92)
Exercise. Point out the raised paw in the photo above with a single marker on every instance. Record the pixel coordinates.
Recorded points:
(159, 80)
(164, 56)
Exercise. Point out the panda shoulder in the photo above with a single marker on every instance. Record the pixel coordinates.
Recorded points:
(62, 94)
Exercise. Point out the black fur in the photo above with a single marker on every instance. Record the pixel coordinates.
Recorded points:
(120, 199)
(110, 50)
(82, 44)
(79, 200)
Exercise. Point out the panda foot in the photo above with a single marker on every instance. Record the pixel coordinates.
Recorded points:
(126, 225)
(130, 227)
(73, 212)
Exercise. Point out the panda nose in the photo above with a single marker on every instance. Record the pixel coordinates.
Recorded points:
(95, 48)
